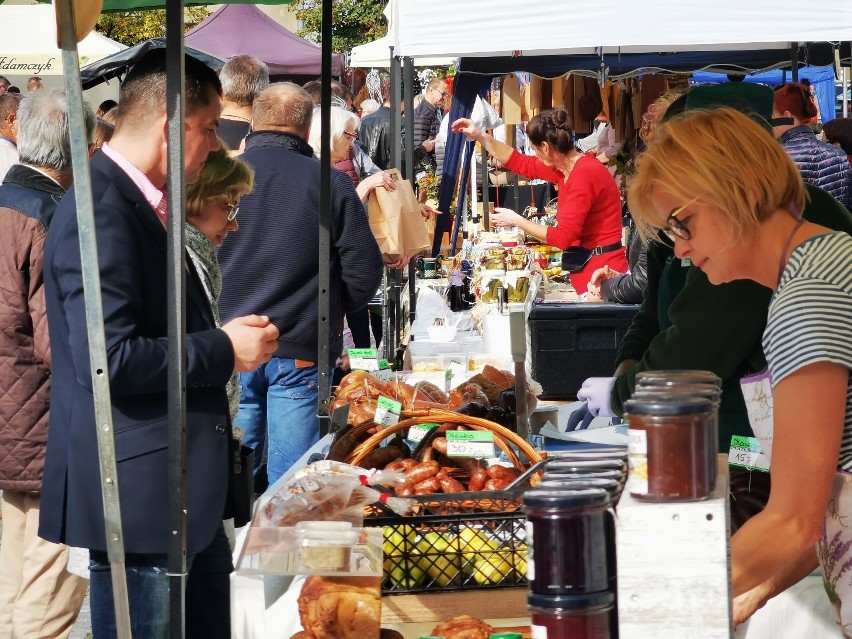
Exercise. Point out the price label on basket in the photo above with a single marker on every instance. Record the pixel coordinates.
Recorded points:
(363, 359)
(417, 432)
(747, 453)
(387, 411)
(470, 443)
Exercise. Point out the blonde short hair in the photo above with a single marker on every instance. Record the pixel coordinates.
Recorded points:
(222, 178)
(718, 157)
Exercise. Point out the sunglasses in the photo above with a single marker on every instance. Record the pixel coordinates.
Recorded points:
(232, 210)
(676, 228)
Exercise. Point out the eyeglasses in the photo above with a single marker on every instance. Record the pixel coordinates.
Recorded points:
(676, 228)
(351, 136)
(232, 210)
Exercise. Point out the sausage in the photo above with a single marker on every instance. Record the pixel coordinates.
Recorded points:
(395, 465)
(380, 457)
(496, 484)
(450, 485)
(440, 444)
(404, 490)
(502, 472)
(343, 442)
(421, 472)
(408, 464)
(431, 485)
(478, 480)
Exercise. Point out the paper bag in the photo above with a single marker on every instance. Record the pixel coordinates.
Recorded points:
(396, 222)
(510, 101)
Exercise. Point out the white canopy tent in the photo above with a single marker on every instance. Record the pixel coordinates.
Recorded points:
(539, 27)
(28, 44)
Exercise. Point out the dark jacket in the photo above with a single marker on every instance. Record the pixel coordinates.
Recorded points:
(427, 123)
(820, 163)
(28, 200)
(271, 266)
(629, 288)
(375, 135)
(686, 322)
(132, 259)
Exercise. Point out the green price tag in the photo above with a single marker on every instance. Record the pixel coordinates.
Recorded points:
(417, 432)
(746, 452)
(387, 411)
(470, 443)
(363, 359)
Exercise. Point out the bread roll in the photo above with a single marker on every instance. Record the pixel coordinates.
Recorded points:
(341, 607)
(463, 627)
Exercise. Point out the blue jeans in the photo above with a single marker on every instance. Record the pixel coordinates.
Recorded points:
(278, 413)
(207, 601)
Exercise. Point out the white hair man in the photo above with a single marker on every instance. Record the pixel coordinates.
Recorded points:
(38, 596)
(8, 131)
(243, 77)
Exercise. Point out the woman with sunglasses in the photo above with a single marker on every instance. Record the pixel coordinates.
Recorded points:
(588, 210)
(730, 198)
(820, 163)
(212, 204)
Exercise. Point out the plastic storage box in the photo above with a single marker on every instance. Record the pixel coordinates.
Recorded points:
(572, 341)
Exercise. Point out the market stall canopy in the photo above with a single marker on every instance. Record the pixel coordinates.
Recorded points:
(237, 29)
(117, 65)
(131, 5)
(488, 28)
(28, 43)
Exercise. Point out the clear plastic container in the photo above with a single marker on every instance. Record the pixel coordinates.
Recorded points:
(573, 617)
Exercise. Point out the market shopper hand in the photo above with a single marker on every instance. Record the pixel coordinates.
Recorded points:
(602, 274)
(504, 217)
(382, 178)
(597, 391)
(400, 263)
(468, 128)
(428, 212)
(749, 603)
(429, 145)
(253, 338)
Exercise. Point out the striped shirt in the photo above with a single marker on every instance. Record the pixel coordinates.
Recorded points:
(810, 316)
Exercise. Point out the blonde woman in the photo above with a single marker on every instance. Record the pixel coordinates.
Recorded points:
(212, 204)
(730, 199)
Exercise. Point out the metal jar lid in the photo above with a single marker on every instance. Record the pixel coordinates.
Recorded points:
(667, 406)
(566, 498)
(572, 602)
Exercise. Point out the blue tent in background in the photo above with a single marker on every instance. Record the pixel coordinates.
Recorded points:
(822, 79)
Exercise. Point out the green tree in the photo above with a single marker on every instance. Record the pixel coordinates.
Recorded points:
(355, 21)
(133, 27)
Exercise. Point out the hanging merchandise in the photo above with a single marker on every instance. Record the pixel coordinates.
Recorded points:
(532, 97)
(510, 101)
(557, 92)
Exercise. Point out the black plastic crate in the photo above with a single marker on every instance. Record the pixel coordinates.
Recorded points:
(570, 342)
(457, 541)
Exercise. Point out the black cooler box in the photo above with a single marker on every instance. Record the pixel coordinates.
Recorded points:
(570, 342)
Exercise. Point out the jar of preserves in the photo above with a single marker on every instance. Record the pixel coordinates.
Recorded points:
(669, 451)
(573, 617)
(570, 541)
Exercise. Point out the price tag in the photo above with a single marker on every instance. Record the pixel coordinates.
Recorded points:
(470, 443)
(448, 380)
(385, 374)
(747, 453)
(363, 359)
(417, 432)
(387, 411)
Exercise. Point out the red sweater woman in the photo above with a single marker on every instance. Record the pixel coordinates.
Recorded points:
(588, 211)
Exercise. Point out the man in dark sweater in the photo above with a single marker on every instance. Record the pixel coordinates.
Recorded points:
(427, 118)
(273, 264)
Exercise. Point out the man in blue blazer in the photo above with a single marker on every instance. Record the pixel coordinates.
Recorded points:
(128, 178)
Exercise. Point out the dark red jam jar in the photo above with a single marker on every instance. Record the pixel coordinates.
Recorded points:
(570, 541)
(573, 617)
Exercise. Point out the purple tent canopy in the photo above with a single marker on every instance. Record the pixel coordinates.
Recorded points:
(238, 29)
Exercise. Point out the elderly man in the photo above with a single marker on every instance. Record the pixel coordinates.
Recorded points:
(38, 597)
(272, 265)
(4, 84)
(8, 131)
(427, 119)
(128, 177)
(243, 77)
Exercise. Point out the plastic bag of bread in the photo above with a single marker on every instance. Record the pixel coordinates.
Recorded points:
(341, 607)
(463, 627)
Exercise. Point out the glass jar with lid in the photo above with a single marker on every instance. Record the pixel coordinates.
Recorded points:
(573, 617)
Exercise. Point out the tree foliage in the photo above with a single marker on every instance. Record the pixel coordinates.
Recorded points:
(355, 21)
(133, 27)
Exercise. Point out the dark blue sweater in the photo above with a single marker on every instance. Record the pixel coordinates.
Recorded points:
(270, 266)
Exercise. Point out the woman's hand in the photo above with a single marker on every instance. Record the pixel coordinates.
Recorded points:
(749, 603)
(505, 217)
(468, 128)
(593, 292)
(382, 178)
(401, 263)
(428, 212)
(601, 274)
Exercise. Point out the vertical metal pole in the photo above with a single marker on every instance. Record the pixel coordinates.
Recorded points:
(176, 294)
(408, 79)
(388, 318)
(486, 218)
(794, 60)
(324, 306)
(94, 317)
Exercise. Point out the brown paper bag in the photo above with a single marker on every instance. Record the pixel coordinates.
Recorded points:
(396, 222)
(510, 101)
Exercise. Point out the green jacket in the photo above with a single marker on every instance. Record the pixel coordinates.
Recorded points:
(685, 322)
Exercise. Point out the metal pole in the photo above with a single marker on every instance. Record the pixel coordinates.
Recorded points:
(486, 218)
(176, 295)
(324, 306)
(408, 79)
(94, 317)
(794, 60)
(388, 318)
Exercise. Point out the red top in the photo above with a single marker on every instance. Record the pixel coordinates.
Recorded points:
(588, 210)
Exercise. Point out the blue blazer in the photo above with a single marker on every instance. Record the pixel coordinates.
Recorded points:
(132, 258)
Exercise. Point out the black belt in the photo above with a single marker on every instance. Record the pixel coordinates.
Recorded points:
(600, 250)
